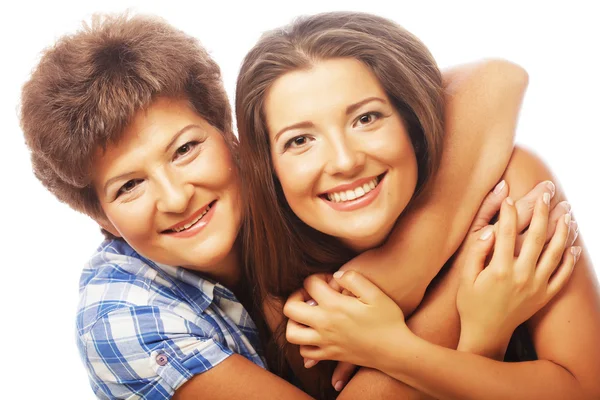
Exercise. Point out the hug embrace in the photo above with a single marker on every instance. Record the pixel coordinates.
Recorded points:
(370, 232)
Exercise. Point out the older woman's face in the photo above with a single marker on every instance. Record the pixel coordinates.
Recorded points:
(170, 188)
(341, 151)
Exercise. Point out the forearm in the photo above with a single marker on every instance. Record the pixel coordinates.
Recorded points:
(450, 374)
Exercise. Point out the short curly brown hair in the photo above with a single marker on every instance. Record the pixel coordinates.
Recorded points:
(87, 88)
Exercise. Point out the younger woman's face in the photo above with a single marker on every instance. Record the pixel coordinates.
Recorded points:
(341, 151)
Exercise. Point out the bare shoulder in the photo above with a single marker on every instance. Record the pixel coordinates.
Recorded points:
(525, 170)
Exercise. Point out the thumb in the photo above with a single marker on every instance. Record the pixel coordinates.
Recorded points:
(358, 285)
(342, 374)
(476, 254)
(490, 206)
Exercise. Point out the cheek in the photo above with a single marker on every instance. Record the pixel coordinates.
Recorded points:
(134, 220)
(296, 176)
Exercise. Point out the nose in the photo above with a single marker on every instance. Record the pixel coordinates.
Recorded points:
(345, 158)
(173, 194)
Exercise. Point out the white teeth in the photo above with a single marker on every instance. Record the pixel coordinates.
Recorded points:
(188, 226)
(354, 194)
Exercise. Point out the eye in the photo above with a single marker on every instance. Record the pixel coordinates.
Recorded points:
(296, 142)
(367, 118)
(185, 149)
(128, 187)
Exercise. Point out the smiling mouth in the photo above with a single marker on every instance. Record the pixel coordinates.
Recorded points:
(355, 193)
(191, 224)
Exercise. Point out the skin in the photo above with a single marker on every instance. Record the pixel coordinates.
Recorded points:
(472, 162)
(153, 166)
(320, 142)
(572, 366)
(169, 165)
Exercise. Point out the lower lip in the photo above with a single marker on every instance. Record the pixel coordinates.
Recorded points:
(357, 203)
(199, 226)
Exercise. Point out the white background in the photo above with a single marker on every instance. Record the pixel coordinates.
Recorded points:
(44, 244)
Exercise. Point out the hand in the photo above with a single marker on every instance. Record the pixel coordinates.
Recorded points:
(343, 371)
(341, 327)
(493, 301)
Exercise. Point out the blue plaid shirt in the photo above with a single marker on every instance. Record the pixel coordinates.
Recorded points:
(144, 329)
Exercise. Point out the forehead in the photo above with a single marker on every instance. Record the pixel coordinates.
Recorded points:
(150, 131)
(327, 85)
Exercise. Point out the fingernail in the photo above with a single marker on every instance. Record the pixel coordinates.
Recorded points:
(566, 205)
(551, 187)
(309, 363)
(339, 385)
(487, 232)
(510, 201)
(576, 251)
(574, 225)
(499, 187)
(338, 274)
(546, 198)
(311, 302)
(567, 219)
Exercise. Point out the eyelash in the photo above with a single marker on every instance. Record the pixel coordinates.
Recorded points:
(122, 190)
(192, 145)
(376, 114)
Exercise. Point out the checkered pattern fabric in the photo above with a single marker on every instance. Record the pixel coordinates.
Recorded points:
(144, 328)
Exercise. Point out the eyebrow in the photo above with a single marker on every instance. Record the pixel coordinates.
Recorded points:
(349, 110)
(171, 142)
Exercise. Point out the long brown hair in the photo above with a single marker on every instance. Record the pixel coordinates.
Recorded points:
(281, 250)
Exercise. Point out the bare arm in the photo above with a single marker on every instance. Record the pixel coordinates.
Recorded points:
(565, 335)
(249, 382)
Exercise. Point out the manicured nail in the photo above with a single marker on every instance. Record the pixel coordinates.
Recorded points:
(339, 385)
(568, 219)
(309, 363)
(566, 205)
(551, 187)
(311, 302)
(487, 232)
(499, 187)
(574, 225)
(546, 198)
(510, 201)
(576, 251)
(338, 274)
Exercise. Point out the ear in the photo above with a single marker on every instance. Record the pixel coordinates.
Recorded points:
(107, 226)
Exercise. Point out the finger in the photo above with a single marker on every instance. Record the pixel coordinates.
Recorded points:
(490, 206)
(296, 333)
(313, 353)
(342, 374)
(302, 312)
(564, 271)
(506, 232)
(319, 290)
(477, 252)
(535, 238)
(573, 232)
(359, 286)
(553, 254)
(556, 216)
(526, 204)
(335, 286)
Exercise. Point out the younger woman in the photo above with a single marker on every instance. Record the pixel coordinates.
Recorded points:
(340, 128)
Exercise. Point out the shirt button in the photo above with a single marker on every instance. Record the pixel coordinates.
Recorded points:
(162, 360)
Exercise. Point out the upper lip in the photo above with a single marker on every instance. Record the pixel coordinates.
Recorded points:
(350, 186)
(189, 219)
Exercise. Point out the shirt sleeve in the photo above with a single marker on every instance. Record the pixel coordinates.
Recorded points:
(147, 352)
